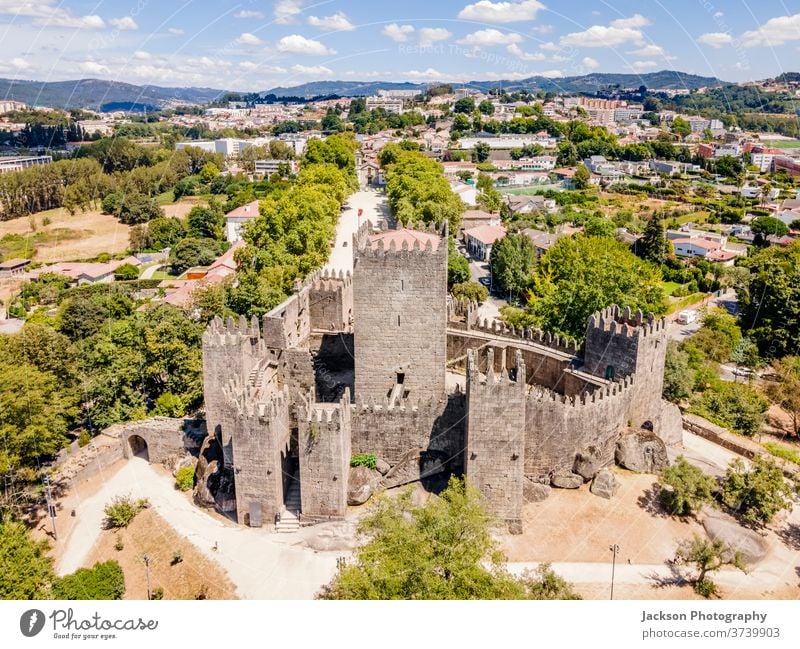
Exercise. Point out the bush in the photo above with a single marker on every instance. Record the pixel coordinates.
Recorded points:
(690, 488)
(733, 405)
(756, 495)
(184, 479)
(84, 437)
(157, 593)
(177, 557)
(126, 272)
(782, 452)
(102, 581)
(119, 546)
(368, 460)
(470, 291)
(122, 510)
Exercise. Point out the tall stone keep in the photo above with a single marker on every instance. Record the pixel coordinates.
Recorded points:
(400, 314)
(495, 444)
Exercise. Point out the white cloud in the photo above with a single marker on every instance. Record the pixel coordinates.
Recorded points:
(601, 36)
(126, 23)
(542, 29)
(312, 70)
(19, 63)
(590, 64)
(250, 66)
(715, 39)
(338, 22)
(93, 67)
(487, 37)
(248, 14)
(649, 50)
(430, 35)
(398, 33)
(49, 13)
(636, 20)
(550, 74)
(297, 44)
(141, 55)
(249, 39)
(430, 73)
(286, 10)
(175, 31)
(501, 12)
(642, 66)
(517, 51)
(549, 47)
(718, 14)
(774, 32)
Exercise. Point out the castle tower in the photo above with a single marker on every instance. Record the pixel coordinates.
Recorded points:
(620, 343)
(324, 434)
(400, 314)
(495, 439)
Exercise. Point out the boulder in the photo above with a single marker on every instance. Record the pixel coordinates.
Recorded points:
(604, 484)
(588, 462)
(187, 460)
(383, 466)
(361, 484)
(566, 480)
(722, 527)
(671, 429)
(415, 465)
(641, 451)
(534, 492)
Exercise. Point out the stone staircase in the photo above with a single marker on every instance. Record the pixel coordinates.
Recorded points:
(291, 508)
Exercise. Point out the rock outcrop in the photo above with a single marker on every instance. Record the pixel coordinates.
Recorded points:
(566, 480)
(722, 527)
(641, 451)
(588, 462)
(534, 492)
(361, 484)
(671, 429)
(604, 484)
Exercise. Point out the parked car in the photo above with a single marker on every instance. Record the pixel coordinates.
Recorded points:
(486, 281)
(743, 371)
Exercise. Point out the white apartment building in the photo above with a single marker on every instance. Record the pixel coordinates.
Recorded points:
(8, 105)
(269, 167)
(389, 104)
(17, 163)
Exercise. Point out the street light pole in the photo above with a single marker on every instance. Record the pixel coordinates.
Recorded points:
(614, 550)
(147, 570)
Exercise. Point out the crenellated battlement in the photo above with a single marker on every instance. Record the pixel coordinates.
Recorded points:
(494, 379)
(336, 415)
(463, 312)
(249, 402)
(231, 332)
(614, 390)
(624, 322)
(529, 334)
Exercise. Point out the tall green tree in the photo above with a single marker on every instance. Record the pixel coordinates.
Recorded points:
(757, 494)
(512, 261)
(581, 177)
(689, 488)
(26, 571)
(654, 245)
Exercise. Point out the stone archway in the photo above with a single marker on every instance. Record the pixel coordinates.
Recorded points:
(138, 447)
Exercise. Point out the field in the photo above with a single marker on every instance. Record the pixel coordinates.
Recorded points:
(782, 144)
(55, 235)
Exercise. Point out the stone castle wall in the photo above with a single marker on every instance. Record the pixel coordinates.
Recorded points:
(331, 302)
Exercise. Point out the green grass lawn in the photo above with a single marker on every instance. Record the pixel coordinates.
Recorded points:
(670, 287)
(166, 198)
(782, 144)
(700, 216)
(783, 452)
(162, 274)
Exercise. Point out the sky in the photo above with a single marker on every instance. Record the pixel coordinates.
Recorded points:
(254, 45)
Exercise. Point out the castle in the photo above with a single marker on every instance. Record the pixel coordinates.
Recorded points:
(380, 361)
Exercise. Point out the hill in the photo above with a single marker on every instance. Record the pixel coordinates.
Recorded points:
(97, 94)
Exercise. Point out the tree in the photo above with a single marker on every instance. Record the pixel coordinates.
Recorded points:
(785, 390)
(165, 232)
(486, 107)
(461, 124)
(480, 152)
(472, 291)
(681, 127)
(206, 222)
(464, 105)
(758, 494)
(690, 488)
(104, 581)
(126, 272)
(209, 172)
(441, 550)
(121, 511)
(598, 226)
(582, 177)
(770, 303)
(27, 569)
(512, 261)
(137, 208)
(191, 252)
(654, 245)
(581, 275)
(678, 374)
(733, 405)
(767, 226)
(457, 265)
(707, 556)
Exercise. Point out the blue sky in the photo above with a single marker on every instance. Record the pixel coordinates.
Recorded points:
(258, 44)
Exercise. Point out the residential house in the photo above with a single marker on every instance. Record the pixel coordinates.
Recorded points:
(235, 220)
(12, 267)
(479, 240)
(528, 204)
(466, 192)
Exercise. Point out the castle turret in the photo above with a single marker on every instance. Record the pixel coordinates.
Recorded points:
(495, 441)
(400, 314)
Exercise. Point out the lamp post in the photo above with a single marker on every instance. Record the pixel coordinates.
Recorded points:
(147, 570)
(614, 551)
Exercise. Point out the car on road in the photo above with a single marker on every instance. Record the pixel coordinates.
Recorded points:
(486, 281)
(743, 371)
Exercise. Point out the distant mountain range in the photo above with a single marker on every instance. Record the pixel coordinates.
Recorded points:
(666, 79)
(102, 95)
(97, 94)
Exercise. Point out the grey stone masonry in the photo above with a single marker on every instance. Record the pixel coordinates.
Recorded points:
(324, 437)
(400, 319)
(495, 441)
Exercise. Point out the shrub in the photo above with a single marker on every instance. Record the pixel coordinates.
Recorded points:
(733, 405)
(756, 495)
(368, 460)
(177, 557)
(184, 479)
(471, 291)
(126, 272)
(84, 437)
(157, 593)
(690, 488)
(782, 452)
(122, 510)
(102, 581)
(119, 546)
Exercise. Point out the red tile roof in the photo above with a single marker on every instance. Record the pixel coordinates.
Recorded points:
(486, 234)
(249, 211)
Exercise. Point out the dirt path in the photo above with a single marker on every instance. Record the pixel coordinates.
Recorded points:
(261, 565)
